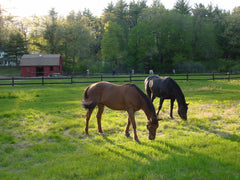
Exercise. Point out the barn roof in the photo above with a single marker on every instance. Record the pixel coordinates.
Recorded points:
(40, 60)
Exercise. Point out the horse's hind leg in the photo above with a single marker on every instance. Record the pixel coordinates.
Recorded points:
(149, 93)
(99, 117)
(171, 108)
(153, 97)
(127, 128)
(89, 112)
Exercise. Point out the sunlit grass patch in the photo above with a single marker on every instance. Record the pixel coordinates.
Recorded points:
(208, 89)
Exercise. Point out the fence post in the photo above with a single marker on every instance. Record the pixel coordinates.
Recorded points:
(187, 76)
(12, 81)
(213, 76)
(101, 77)
(42, 80)
(130, 78)
(71, 79)
(228, 74)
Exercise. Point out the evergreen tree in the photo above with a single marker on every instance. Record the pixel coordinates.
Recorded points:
(50, 33)
(135, 10)
(15, 47)
(182, 6)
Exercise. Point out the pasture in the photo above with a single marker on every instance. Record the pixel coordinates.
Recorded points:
(42, 136)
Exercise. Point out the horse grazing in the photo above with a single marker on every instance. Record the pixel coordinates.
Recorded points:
(166, 88)
(126, 97)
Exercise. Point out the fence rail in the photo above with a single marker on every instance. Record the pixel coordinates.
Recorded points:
(111, 78)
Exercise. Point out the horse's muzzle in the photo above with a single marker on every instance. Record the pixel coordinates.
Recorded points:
(151, 137)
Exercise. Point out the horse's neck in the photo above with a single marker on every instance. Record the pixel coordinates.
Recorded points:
(147, 110)
(180, 97)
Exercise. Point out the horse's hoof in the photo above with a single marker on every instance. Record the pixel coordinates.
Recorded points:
(136, 140)
(102, 134)
(127, 134)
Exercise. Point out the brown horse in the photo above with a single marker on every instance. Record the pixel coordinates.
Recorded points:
(126, 97)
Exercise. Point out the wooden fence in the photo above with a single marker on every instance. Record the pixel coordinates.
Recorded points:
(111, 78)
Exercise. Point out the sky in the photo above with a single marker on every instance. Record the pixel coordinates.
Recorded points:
(27, 8)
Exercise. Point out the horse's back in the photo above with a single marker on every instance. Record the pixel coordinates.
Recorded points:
(123, 97)
(162, 87)
(117, 97)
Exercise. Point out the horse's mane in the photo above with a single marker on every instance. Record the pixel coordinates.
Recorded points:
(178, 89)
(145, 97)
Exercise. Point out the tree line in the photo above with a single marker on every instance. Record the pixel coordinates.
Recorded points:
(130, 36)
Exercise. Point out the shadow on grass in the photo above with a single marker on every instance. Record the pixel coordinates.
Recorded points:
(217, 132)
(178, 162)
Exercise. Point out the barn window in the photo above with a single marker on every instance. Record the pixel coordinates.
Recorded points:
(51, 68)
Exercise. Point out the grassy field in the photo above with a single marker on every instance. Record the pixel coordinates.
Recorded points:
(42, 136)
(10, 71)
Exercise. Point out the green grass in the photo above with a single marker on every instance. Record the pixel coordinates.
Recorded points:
(10, 71)
(42, 136)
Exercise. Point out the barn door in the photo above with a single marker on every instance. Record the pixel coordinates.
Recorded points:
(39, 71)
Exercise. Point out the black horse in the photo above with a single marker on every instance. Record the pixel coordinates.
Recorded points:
(166, 88)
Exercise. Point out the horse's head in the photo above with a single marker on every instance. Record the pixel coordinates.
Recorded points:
(182, 111)
(152, 127)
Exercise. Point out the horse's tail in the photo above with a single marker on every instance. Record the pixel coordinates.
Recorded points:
(146, 84)
(147, 88)
(87, 103)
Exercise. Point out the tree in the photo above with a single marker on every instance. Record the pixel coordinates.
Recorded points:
(108, 13)
(76, 41)
(232, 34)
(36, 41)
(236, 10)
(205, 43)
(120, 10)
(6, 26)
(111, 44)
(141, 48)
(135, 10)
(172, 34)
(109, 8)
(51, 33)
(182, 6)
(15, 47)
(157, 3)
(1, 27)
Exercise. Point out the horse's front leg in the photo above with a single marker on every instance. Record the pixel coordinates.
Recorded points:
(160, 105)
(127, 128)
(171, 108)
(99, 117)
(89, 112)
(132, 119)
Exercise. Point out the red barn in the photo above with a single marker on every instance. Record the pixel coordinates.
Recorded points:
(41, 64)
